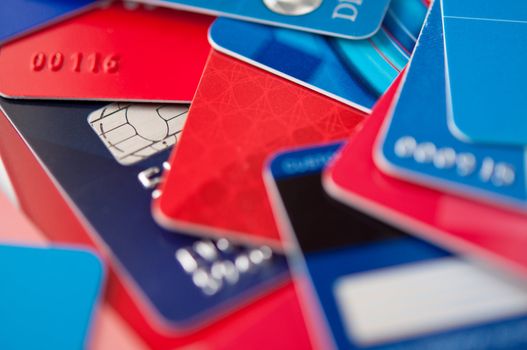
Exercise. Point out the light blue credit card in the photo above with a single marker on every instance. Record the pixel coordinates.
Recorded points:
(486, 50)
(417, 145)
(48, 297)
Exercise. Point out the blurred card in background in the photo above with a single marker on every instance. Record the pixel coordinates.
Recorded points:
(354, 72)
(19, 17)
(241, 115)
(485, 80)
(349, 19)
(48, 297)
(460, 225)
(416, 144)
(115, 207)
(372, 285)
(100, 56)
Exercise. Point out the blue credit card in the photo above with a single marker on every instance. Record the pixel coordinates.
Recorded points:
(104, 157)
(372, 286)
(355, 72)
(19, 17)
(350, 19)
(416, 143)
(486, 79)
(48, 297)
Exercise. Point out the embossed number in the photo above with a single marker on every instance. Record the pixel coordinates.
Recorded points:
(94, 62)
(110, 64)
(38, 61)
(56, 61)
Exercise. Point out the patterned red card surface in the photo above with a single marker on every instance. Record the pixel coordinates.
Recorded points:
(240, 116)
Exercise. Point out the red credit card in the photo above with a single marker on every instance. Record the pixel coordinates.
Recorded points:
(459, 224)
(240, 116)
(114, 53)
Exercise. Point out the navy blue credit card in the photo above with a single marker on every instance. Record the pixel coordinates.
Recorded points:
(376, 287)
(105, 159)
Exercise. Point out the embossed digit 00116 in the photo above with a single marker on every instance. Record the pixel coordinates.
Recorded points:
(78, 62)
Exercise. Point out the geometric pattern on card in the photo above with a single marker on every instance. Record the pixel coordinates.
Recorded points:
(242, 115)
(134, 132)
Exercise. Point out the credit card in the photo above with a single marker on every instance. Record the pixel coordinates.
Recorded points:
(19, 17)
(354, 72)
(100, 56)
(48, 297)
(240, 116)
(202, 280)
(373, 285)
(257, 323)
(417, 145)
(349, 19)
(488, 107)
(460, 225)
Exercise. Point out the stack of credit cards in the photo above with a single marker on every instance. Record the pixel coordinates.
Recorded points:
(265, 174)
